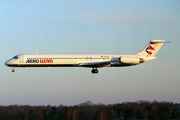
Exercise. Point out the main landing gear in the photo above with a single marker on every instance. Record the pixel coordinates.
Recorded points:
(94, 71)
(13, 69)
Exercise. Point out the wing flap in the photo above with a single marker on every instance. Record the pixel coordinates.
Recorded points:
(96, 64)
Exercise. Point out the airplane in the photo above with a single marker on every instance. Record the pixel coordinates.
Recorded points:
(93, 61)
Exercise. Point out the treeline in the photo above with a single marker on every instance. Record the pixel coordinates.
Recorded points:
(89, 111)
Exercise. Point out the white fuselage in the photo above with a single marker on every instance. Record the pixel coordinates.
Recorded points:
(65, 60)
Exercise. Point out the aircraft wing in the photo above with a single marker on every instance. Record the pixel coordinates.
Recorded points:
(96, 64)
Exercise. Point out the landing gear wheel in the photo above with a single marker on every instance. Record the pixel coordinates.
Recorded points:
(94, 71)
(13, 70)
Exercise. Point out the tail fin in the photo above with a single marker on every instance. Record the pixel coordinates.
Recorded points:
(152, 48)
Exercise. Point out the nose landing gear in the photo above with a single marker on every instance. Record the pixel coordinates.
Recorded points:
(94, 71)
(13, 69)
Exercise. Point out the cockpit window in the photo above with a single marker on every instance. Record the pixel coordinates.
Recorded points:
(15, 57)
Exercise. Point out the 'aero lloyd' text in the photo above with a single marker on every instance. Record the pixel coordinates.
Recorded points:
(39, 61)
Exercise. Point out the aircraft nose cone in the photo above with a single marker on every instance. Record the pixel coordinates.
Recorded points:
(7, 63)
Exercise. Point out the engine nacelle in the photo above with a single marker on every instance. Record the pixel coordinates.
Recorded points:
(131, 60)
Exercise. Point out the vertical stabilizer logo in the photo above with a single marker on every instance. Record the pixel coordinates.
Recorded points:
(149, 50)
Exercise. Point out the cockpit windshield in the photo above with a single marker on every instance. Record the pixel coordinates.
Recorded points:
(15, 57)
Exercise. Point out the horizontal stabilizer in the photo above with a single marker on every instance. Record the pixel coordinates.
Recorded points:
(159, 41)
